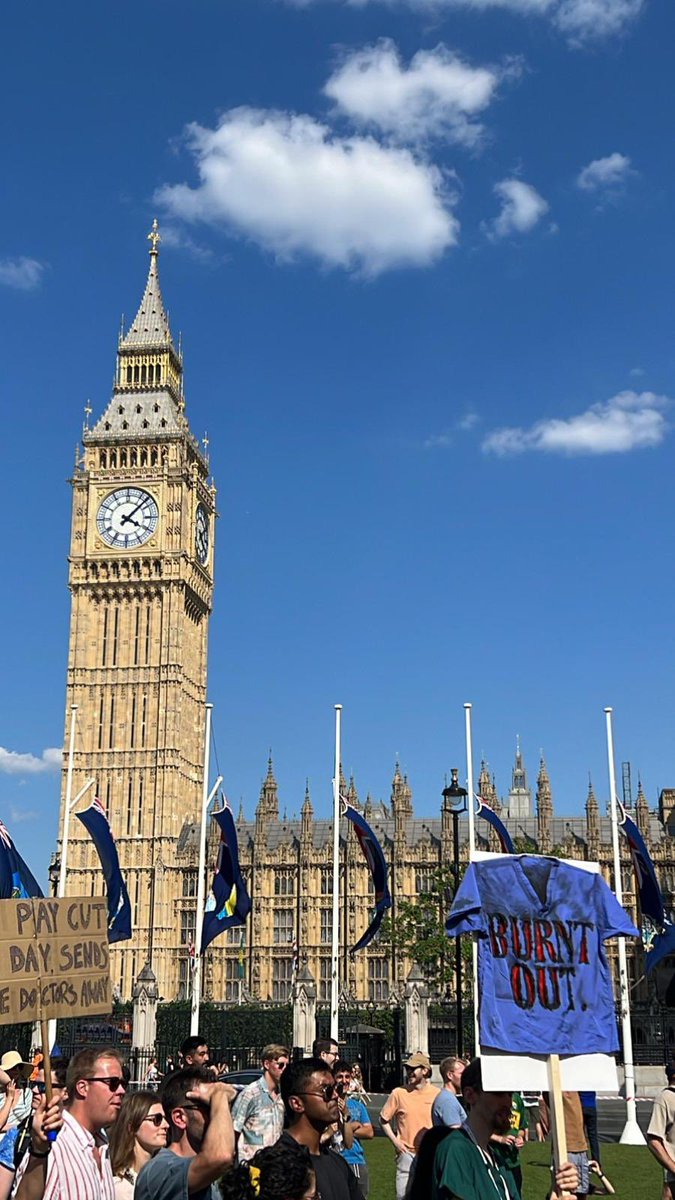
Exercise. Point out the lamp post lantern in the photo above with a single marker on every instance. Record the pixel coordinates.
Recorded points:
(455, 797)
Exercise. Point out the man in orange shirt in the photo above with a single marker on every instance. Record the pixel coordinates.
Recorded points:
(410, 1108)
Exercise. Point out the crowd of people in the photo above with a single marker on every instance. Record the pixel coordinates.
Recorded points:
(295, 1133)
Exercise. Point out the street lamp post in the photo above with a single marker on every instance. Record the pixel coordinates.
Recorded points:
(455, 796)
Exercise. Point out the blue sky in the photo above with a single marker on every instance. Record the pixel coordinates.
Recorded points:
(421, 255)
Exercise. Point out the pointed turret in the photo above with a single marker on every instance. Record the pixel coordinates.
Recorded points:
(642, 812)
(307, 819)
(484, 781)
(544, 808)
(268, 804)
(519, 800)
(147, 400)
(592, 822)
(401, 804)
(351, 795)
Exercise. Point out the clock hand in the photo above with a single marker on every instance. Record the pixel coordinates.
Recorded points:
(125, 520)
(132, 513)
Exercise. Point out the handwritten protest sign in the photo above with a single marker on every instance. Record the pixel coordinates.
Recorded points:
(54, 959)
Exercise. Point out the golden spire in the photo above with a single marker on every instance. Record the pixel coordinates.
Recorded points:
(154, 237)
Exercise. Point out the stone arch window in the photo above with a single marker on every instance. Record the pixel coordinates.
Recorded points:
(120, 409)
(157, 408)
(107, 425)
(130, 374)
(153, 456)
(113, 458)
(144, 453)
(125, 424)
(145, 425)
(103, 459)
(136, 373)
(144, 374)
(123, 453)
(151, 373)
(133, 458)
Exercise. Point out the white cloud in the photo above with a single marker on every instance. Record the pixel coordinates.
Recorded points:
(593, 20)
(608, 172)
(18, 815)
(440, 441)
(628, 421)
(581, 21)
(290, 185)
(436, 95)
(522, 208)
(14, 763)
(25, 274)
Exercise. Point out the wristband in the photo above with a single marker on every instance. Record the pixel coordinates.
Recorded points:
(40, 1153)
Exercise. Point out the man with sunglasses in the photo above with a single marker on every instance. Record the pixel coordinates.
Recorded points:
(201, 1139)
(76, 1166)
(310, 1097)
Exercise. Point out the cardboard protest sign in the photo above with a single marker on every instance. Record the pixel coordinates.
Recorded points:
(54, 958)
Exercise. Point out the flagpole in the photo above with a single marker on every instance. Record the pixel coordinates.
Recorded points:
(472, 847)
(69, 792)
(632, 1134)
(201, 870)
(335, 946)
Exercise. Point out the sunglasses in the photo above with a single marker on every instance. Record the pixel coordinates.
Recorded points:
(327, 1091)
(41, 1088)
(113, 1081)
(156, 1118)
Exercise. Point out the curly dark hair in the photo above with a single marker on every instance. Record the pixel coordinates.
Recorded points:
(285, 1174)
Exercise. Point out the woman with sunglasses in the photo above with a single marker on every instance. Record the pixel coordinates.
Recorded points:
(137, 1135)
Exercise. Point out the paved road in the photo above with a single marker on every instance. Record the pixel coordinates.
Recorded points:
(611, 1116)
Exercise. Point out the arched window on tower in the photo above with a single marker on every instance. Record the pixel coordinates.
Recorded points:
(103, 459)
(130, 374)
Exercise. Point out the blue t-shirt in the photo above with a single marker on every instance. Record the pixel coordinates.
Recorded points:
(165, 1177)
(447, 1110)
(358, 1112)
(545, 984)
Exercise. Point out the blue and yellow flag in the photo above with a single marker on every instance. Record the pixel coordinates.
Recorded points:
(228, 902)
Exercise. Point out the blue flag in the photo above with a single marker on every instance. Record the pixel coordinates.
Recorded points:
(228, 903)
(649, 892)
(16, 880)
(377, 866)
(662, 943)
(96, 823)
(499, 827)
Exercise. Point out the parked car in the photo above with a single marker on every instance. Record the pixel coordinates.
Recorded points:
(239, 1079)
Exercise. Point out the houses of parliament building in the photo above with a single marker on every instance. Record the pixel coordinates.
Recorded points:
(141, 581)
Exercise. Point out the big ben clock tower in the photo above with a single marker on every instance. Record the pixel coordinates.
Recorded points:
(141, 581)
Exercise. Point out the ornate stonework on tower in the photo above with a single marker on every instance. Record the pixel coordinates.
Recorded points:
(519, 800)
(141, 582)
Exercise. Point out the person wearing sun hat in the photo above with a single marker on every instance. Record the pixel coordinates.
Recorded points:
(18, 1098)
(409, 1108)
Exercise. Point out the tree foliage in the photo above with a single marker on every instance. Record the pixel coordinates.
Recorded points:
(418, 931)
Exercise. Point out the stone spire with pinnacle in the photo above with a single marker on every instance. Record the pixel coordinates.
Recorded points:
(401, 804)
(544, 808)
(147, 400)
(268, 804)
(519, 800)
(592, 822)
(642, 812)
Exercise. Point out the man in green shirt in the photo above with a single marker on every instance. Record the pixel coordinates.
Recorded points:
(465, 1167)
(506, 1146)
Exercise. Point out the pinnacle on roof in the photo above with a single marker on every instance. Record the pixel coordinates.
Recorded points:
(591, 801)
(151, 325)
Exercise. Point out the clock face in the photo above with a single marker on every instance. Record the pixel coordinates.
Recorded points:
(202, 534)
(127, 518)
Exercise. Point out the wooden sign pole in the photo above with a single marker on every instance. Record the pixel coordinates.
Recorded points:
(555, 1104)
(47, 1068)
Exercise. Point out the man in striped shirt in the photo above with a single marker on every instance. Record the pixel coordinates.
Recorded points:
(76, 1166)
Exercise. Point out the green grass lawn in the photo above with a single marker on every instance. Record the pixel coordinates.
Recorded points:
(632, 1170)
